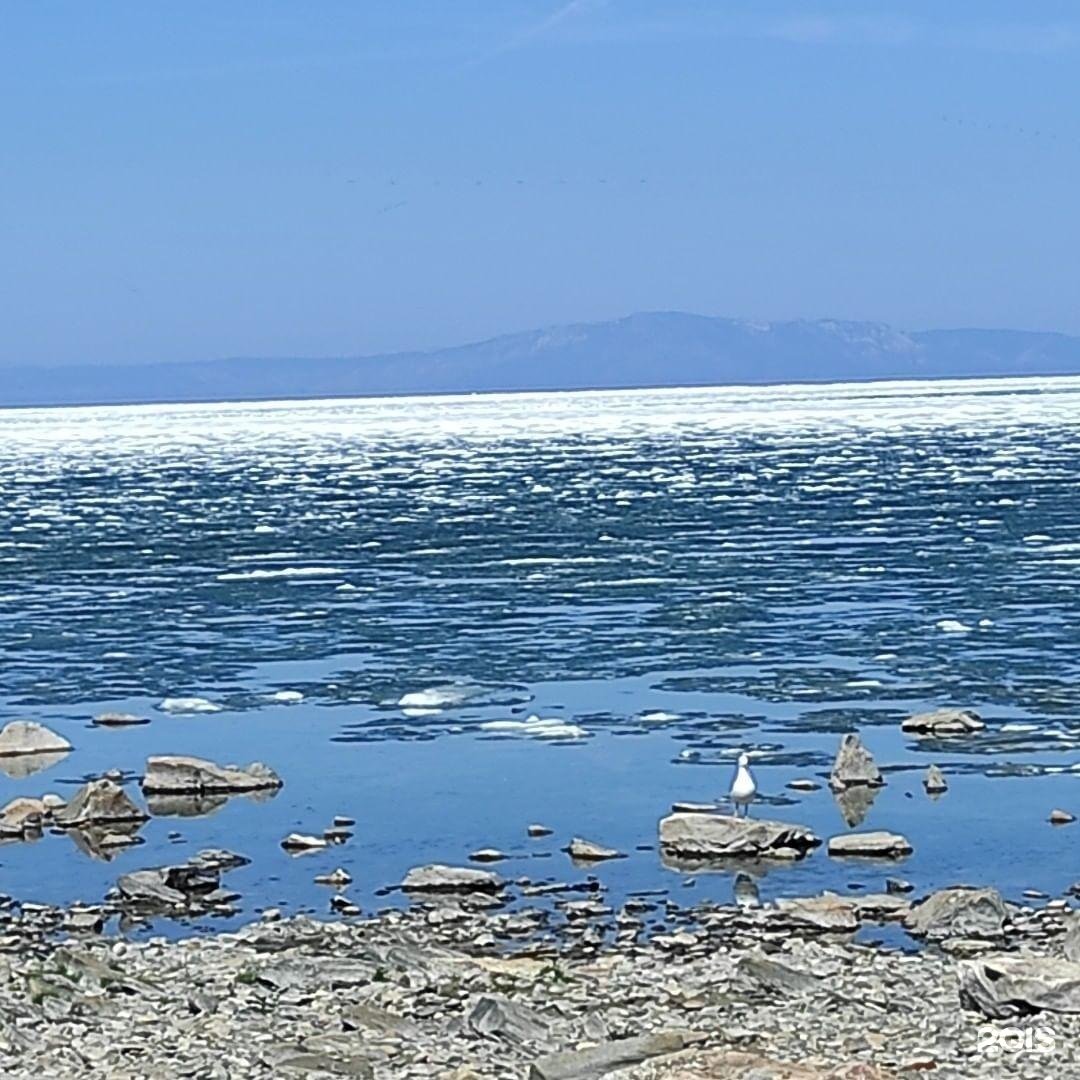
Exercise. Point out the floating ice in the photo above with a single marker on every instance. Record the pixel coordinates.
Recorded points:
(285, 572)
(287, 697)
(181, 705)
(551, 727)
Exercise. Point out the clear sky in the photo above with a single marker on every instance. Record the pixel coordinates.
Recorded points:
(256, 177)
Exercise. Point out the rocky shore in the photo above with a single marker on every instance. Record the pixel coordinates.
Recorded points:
(548, 982)
(475, 976)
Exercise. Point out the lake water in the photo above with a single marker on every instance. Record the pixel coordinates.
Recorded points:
(672, 576)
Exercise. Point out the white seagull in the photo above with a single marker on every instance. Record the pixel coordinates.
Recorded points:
(743, 787)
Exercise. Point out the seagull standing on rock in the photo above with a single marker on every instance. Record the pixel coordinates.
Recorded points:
(743, 787)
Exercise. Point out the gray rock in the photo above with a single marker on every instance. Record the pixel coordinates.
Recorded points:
(854, 765)
(27, 737)
(944, 722)
(177, 774)
(771, 975)
(98, 802)
(1070, 944)
(498, 1017)
(538, 830)
(803, 784)
(872, 845)
(381, 1021)
(22, 816)
(486, 855)
(959, 912)
(898, 885)
(439, 878)
(586, 851)
(1004, 986)
(618, 1053)
(719, 836)
(1061, 817)
(825, 914)
(934, 781)
(119, 719)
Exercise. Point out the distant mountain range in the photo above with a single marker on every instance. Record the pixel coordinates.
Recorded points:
(648, 349)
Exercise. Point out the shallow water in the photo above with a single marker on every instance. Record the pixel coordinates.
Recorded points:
(672, 576)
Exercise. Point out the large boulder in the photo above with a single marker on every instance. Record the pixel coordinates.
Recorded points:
(1004, 986)
(943, 722)
(437, 878)
(854, 765)
(870, 845)
(27, 737)
(959, 912)
(178, 775)
(97, 802)
(720, 836)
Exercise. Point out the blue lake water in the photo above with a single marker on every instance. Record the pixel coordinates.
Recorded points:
(670, 576)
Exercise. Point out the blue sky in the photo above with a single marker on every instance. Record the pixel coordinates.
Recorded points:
(187, 181)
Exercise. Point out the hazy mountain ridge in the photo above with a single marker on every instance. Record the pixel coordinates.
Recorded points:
(647, 349)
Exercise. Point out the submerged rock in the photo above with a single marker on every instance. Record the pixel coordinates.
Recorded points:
(177, 774)
(98, 802)
(27, 737)
(879, 844)
(827, 913)
(719, 836)
(439, 878)
(943, 722)
(959, 912)
(119, 719)
(586, 851)
(854, 765)
(1004, 986)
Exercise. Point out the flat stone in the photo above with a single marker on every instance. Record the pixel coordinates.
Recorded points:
(538, 831)
(773, 976)
(586, 851)
(498, 1017)
(98, 802)
(719, 836)
(27, 737)
(934, 781)
(177, 774)
(302, 842)
(870, 845)
(1061, 817)
(487, 855)
(827, 914)
(440, 878)
(119, 719)
(944, 722)
(803, 784)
